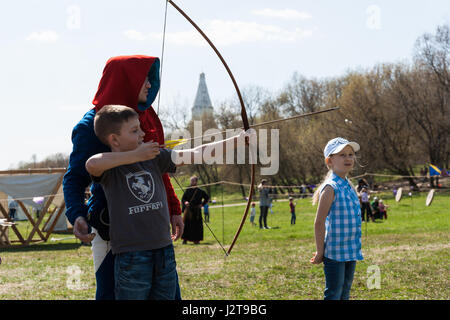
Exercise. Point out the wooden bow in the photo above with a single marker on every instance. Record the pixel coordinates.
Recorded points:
(243, 116)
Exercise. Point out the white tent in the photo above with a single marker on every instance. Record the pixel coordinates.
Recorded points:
(33, 190)
(10, 186)
(61, 224)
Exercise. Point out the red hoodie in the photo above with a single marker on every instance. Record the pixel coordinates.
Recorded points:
(121, 82)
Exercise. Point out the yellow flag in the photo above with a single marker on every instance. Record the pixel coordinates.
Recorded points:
(170, 144)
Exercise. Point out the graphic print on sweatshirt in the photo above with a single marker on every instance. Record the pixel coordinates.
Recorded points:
(141, 185)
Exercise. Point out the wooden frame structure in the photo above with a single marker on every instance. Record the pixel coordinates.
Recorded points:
(4, 239)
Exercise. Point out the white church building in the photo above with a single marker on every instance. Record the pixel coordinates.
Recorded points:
(202, 103)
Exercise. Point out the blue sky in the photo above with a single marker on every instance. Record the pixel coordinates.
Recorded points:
(53, 52)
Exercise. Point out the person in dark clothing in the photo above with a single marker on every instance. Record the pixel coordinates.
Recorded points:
(366, 209)
(13, 205)
(192, 201)
(362, 183)
(264, 203)
(375, 209)
(292, 209)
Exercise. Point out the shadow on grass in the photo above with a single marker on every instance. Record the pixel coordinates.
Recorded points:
(42, 247)
(201, 243)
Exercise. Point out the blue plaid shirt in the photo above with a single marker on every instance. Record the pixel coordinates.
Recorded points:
(343, 223)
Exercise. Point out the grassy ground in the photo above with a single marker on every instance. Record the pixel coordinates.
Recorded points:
(409, 251)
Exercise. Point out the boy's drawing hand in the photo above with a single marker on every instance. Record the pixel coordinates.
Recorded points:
(147, 151)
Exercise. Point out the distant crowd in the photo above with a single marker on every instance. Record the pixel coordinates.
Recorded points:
(375, 209)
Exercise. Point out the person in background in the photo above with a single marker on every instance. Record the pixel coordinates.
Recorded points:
(253, 214)
(375, 209)
(206, 211)
(383, 209)
(192, 201)
(362, 183)
(264, 203)
(292, 209)
(12, 207)
(366, 210)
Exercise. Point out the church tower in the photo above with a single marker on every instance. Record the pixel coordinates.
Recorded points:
(202, 103)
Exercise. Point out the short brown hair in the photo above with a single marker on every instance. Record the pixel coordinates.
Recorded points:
(110, 119)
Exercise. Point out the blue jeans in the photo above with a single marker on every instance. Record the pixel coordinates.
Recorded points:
(338, 278)
(105, 278)
(146, 275)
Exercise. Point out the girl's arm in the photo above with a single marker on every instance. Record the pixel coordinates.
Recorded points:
(100, 162)
(325, 201)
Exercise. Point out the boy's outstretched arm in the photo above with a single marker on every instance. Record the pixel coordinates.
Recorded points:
(99, 163)
(181, 155)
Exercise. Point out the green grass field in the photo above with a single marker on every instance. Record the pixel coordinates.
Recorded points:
(410, 251)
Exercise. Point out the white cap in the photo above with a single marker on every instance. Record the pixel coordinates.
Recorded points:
(337, 144)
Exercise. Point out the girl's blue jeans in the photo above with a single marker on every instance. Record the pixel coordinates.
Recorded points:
(338, 278)
(146, 275)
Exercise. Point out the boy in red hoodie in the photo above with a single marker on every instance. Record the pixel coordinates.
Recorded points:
(121, 83)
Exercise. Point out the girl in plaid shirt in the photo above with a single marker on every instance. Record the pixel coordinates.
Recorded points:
(338, 221)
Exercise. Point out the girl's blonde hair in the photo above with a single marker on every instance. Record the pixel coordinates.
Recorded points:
(316, 195)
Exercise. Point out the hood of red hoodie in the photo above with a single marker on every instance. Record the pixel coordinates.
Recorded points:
(121, 82)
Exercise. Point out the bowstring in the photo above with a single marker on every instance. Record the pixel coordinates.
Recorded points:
(159, 97)
(206, 224)
(162, 55)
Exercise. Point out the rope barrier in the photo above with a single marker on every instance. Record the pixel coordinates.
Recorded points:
(388, 175)
(241, 184)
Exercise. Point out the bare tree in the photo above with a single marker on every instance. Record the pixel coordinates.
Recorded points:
(434, 52)
(302, 95)
(254, 97)
(57, 160)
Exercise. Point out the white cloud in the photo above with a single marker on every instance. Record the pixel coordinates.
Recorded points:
(286, 14)
(134, 35)
(233, 32)
(43, 36)
(222, 32)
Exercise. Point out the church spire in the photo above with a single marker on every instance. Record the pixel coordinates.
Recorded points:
(202, 103)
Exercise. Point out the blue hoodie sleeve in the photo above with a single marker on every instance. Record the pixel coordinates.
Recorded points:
(77, 179)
